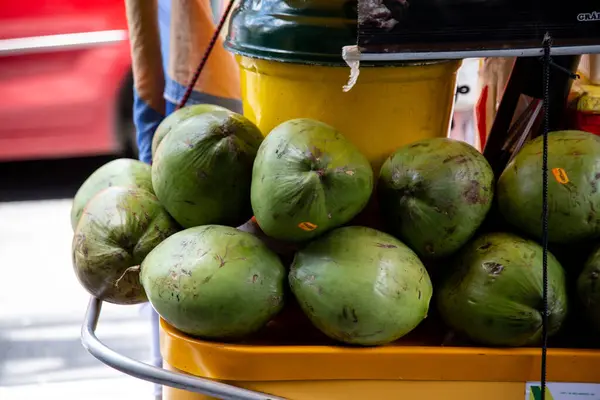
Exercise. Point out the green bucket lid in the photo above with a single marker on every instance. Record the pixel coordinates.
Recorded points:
(299, 31)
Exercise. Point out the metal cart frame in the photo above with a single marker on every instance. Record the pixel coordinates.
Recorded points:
(154, 374)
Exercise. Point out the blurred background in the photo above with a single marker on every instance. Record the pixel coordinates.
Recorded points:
(65, 109)
(41, 303)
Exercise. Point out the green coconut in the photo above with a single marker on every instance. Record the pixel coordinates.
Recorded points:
(435, 194)
(307, 179)
(588, 288)
(176, 117)
(573, 187)
(214, 282)
(361, 286)
(494, 295)
(202, 170)
(118, 228)
(121, 172)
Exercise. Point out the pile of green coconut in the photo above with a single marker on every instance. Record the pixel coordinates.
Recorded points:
(230, 225)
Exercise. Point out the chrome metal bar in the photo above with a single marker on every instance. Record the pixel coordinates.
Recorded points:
(530, 52)
(153, 374)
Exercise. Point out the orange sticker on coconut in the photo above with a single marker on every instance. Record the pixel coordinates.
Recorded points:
(307, 226)
(560, 175)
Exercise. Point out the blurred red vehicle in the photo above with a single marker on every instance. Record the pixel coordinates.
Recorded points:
(65, 79)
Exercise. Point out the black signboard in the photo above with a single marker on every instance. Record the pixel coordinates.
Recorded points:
(405, 26)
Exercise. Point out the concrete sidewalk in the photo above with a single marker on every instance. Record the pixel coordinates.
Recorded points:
(41, 310)
(92, 389)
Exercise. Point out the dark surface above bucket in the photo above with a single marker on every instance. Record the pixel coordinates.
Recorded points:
(302, 31)
(404, 26)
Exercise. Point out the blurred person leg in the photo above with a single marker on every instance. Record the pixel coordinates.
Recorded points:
(148, 75)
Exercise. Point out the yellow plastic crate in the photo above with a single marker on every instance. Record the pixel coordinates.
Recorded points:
(409, 369)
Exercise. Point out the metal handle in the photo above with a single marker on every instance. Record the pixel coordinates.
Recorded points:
(150, 373)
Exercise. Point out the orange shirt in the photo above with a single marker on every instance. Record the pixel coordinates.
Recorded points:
(168, 39)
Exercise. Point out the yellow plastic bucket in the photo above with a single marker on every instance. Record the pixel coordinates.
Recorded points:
(415, 367)
(388, 107)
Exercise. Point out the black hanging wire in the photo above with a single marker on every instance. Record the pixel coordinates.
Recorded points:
(547, 44)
